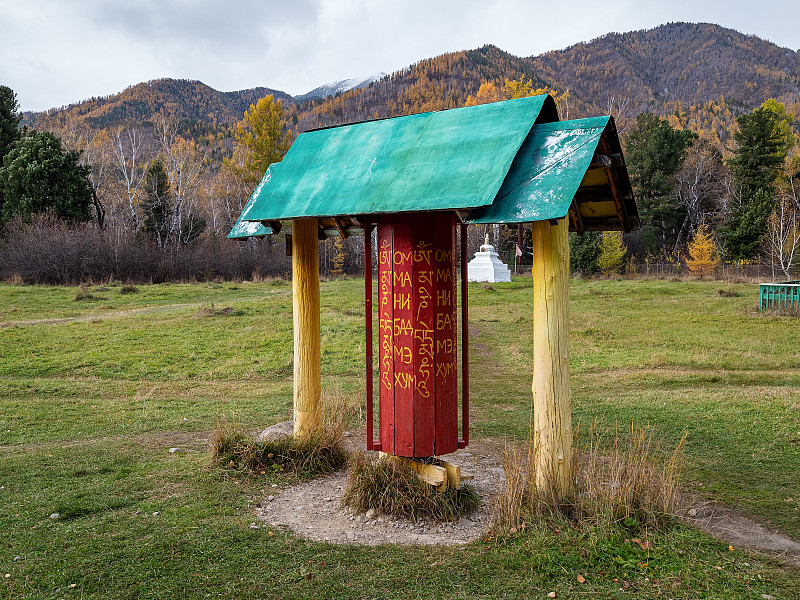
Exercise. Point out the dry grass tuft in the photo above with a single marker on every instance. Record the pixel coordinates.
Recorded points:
(391, 488)
(129, 289)
(728, 293)
(317, 454)
(212, 311)
(84, 295)
(634, 483)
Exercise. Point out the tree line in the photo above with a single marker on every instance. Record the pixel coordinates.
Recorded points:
(685, 186)
(150, 200)
(159, 189)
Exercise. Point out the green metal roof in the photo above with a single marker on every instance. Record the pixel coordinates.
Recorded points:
(546, 173)
(504, 162)
(246, 229)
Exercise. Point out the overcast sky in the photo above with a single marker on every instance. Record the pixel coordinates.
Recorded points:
(56, 52)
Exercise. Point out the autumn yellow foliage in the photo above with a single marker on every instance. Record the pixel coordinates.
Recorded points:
(703, 257)
(612, 251)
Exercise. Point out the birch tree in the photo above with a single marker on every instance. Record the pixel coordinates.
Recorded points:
(783, 236)
(94, 150)
(184, 169)
(130, 160)
(699, 188)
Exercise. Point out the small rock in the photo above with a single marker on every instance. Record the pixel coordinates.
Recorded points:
(176, 450)
(692, 512)
(380, 520)
(767, 597)
(16, 558)
(371, 514)
(55, 516)
(276, 432)
(351, 535)
(254, 526)
(347, 434)
(270, 498)
(274, 485)
(328, 499)
(155, 514)
(551, 595)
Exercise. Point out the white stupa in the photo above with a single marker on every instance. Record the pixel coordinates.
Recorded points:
(486, 266)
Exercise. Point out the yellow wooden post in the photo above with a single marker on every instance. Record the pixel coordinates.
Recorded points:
(305, 305)
(552, 400)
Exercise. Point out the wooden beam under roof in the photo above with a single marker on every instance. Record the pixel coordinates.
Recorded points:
(613, 183)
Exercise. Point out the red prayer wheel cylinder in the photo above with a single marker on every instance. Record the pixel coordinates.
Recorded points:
(417, 334)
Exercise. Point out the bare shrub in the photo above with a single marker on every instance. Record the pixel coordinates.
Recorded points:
(633, 482)
(47, 251)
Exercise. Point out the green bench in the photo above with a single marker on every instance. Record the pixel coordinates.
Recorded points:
(784, 295)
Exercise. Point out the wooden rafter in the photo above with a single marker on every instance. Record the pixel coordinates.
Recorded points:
(575, 215)
(340, 227)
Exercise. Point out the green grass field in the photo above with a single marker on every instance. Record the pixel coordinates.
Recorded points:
(94, 392)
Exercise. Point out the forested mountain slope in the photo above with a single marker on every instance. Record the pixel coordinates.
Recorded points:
(179, 98)
(685, 62)
(700, 75)
(673, 68)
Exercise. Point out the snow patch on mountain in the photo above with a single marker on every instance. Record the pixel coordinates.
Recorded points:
(338, 87)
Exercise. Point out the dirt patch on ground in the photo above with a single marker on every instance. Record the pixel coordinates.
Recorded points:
(742, 532)
(98, 317)
(314, 509)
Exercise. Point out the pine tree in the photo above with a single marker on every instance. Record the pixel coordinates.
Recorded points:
(655, 152)
(702, 252)
(157, 204)
(761, 146)
(37, 175)
(9, 126)
(584, 250)
(9, 120)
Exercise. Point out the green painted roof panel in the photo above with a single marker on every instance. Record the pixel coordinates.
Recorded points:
(247, 229)
(451, 159)
(546, 173)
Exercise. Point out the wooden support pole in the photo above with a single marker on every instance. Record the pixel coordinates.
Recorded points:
(552, 402)
(305, 309)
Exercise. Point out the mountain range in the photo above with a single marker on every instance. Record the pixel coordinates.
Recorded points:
(338, 87)
(676, 68)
